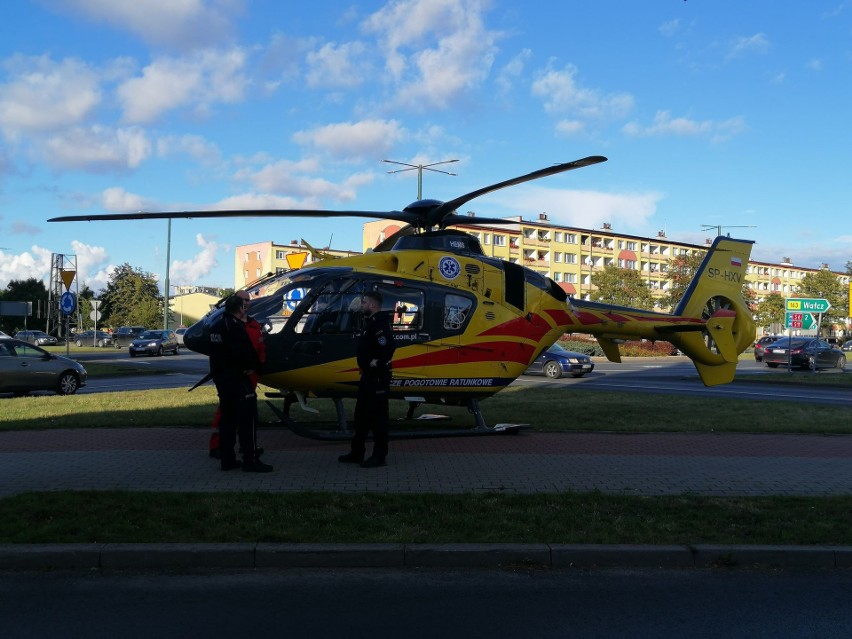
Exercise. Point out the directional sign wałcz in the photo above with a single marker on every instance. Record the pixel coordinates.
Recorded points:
(807, 304)
(804, 321)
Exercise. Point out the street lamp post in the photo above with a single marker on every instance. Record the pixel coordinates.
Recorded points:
(166, 289)
(420, 167)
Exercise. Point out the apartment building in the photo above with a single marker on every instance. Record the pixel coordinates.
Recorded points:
(571, 256)
(253, 261)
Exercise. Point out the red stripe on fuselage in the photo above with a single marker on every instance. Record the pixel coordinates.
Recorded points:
(534, 328)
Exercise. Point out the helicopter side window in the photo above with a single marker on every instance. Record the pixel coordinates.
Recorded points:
(404, 306)
(456, 311)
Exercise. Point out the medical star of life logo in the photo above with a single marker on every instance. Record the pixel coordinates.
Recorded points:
(449, 267)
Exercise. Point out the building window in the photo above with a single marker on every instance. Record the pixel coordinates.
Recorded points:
(499, 240)
(570, 238)
(557, 257)
(570, 258)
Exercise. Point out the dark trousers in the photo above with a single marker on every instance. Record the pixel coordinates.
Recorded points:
(371, 413)
(238, 412)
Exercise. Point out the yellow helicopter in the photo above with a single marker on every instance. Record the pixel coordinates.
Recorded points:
(466, 325)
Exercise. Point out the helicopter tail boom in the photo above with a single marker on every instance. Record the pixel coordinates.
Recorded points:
(712, 324)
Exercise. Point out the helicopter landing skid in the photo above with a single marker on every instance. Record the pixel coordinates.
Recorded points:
(344, 433)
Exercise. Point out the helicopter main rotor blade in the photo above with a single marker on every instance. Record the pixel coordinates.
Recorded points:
(402, 216)
(437, 215)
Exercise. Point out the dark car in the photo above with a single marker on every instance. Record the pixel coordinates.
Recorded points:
(126, 334)
(25, 367)
(154, 342)
(93, 338)
(846, 346)
(761, 344)
(804, 352)
(39, 338)
(556, 361)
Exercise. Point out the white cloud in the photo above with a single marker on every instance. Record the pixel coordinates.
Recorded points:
(334, 66)
(200, 80)
(460, 56)
(578, 208)
(34, 263)
(117, 200)
(513, 70)
(744, 45)
(665, 124)
(91, 261)
(96, 148)
(202, 264)
(367, 138)
(44, 95)
(286, 177)
(670, 28)
(561, 93)
(19, 227)
(176, 23)
(194, 146)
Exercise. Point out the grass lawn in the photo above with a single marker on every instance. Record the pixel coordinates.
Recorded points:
(110, 516)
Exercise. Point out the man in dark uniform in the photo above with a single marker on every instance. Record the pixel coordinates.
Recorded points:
(375, 351)
(233, 359)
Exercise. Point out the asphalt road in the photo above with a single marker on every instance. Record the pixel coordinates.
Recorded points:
(673, 375)
(421, 603)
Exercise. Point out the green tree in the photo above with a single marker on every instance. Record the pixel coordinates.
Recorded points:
(681, 270)
(771, 310)
(622, 287)
(824, 284)
(132, 297)
(30, 290)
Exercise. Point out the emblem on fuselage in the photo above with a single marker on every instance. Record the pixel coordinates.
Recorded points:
(449, 267)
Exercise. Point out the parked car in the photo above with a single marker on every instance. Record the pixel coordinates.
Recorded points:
(804, 352)
(847, 346)
(93, 338)
(126, 334)
(556, 361)
(40, 338)
(761, 344)
(179, 334)
(154, 342)
(25, 367)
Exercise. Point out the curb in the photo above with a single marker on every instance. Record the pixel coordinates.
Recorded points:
(308, 555)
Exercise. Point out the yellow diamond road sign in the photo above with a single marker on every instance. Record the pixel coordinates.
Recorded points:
(67, 278)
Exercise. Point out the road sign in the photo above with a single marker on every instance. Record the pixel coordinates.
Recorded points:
(95, 303)
(808, 304)
(95, 315)
(67, 278)
(68, 302)
(805, 321)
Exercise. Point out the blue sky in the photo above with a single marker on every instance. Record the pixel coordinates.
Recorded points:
(722, 113)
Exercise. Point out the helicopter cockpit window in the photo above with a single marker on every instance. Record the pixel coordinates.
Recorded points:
(334, 308)
(456, 311)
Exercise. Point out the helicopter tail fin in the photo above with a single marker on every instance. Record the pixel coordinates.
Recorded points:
(715, 296)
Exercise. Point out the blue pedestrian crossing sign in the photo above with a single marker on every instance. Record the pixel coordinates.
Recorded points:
(68, 303)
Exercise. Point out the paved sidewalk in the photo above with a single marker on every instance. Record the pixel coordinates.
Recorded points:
(165, 459)
(168, 459)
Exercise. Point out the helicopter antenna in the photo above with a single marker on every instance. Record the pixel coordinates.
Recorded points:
(420, 168)
(719, 227)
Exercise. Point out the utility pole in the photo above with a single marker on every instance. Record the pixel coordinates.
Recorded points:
(420, 167)
(719, 227)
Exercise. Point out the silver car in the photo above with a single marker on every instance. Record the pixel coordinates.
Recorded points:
(40, 338)
(25, 367)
